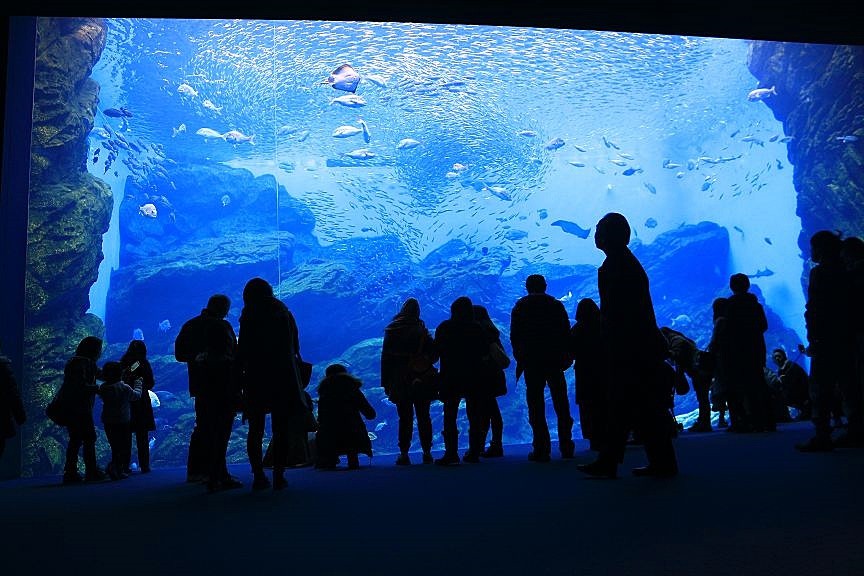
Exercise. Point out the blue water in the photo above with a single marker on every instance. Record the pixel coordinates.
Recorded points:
(485, 104)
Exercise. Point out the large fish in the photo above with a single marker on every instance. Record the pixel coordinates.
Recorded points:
(361, 154)
(343, 78)
(121, 112)
(237, 137)
(349, 100)
(572, 228)
(209, 133)
(761, 93)
(346, 131)
(407, 144)
(367, 136)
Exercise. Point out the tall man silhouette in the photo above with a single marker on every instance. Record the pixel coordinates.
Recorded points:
(539, 334)
(635, 350)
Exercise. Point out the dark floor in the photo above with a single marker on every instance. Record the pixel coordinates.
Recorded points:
(743, 504)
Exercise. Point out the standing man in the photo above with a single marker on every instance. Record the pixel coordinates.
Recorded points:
(539, 335)
(190, 343)
(635, 351)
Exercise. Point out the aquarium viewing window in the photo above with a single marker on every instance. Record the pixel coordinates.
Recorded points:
(355, 164)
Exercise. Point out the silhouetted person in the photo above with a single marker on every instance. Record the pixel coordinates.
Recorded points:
(684, 353)
(190, 342)
(589, 369)
(219, 397)
(852, 254)
(12, 412)
(117, 397)
(462, 343)
(142, 421)
(794, 383)
(717, 350)
(748, 395)
(830, 337)
(405, 338)
(268, 354)
(491, 385)
(79, 390)
(341, 409)
(539, 335)
(635, 353)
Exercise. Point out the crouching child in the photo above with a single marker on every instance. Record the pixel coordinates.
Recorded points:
(341, 429)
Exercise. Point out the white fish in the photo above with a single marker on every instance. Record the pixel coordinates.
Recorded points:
(346, 131)
(847, 139)
(209, 133)
(567, 297)
(210, 106)
(226, 200)
(148, 210)
(679, 175)
(526, 133)
(179, 130)
(377, 79)
(459, 167)
(100, 133)
(154, 399)
(237, 137)
(380, 426)
(187, 90)
(451, 175)
(367, 136)
(349, 100)
(554, 144)
(360, 154)
(575, 163)
(407, 144)
(499, 191)
(761, 93)
(286, 129)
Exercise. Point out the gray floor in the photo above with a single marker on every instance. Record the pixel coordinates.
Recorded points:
(743, 504)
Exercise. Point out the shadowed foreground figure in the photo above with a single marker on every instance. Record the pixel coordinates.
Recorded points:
(589, 369)
(635, 352)
(12, 412)
(141, 422)
(341, 409)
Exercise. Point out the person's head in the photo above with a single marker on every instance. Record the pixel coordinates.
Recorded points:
(136, 349)
(612, 231)
(587, 311)
(334, 369)
(852, 250)
(462, 309)
(825, 245)
(739, 283)
(718, 307)
(218, 305)
(481, 314)
(112, 372)
(779, 356)
(535, 284)
(257, 290)
(89, 347)
(410, 309)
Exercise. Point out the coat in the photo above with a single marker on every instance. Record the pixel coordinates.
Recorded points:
(403, 340)
(141, 409)
(341, 408)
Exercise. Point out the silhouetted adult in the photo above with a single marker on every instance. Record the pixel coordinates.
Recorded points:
(492, 384)
(190, 342)
(589, 369)
(79, 390)
(462, 343)
(539, 335)
(830, 337)
(406, 338)
(141, 421)
(794, 383)
(341, 409)
(12, 412)
(852, 254)
(684, 353)
(635, 352)
(748, 394)
(219, 397)
(267, 356)
(717, 350)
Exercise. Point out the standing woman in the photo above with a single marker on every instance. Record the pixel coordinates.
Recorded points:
(589, 369)
(268, 351)
(493, 383)
(405, 339)
(79, 393)
(142, 422)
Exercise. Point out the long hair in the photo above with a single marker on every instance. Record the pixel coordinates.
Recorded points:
(89, 347)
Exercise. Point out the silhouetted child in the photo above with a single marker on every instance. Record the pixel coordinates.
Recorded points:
(341, 408)
(117, 397)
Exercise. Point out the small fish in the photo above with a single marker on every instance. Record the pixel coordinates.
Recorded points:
(210, 106)
(617, 162)
(349, 100)
(121, 112)
(459, 167)
(526, 133)
(367, 136)
(786, 139)
(407, 144)
(650, 223)
(774, 138)
(610, 144)
(768, 241)
(567, 297)
(344, 78)
(237, 137)
(650, 187)
(576, 164)
(376, 79)
(499, 191)
(226, 200)
(554, 144)
(380, 426)
(735, 133)
(848, 138)
(284, 130)
(187, 90)
(761, 93)
(679, 175)
(572, 228)
(761, 273)
(346, 131)
(753, 140)
(779, 164)
(182, 128)
(631, 171)
(209, 133)
(148, 210)
(542, 213)
(706, 185)
(360, 154)
(302, 136)
(625, 155)
(164, 326)
(672, 165)
(738, 228)
(100, 132)
(579, 148)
